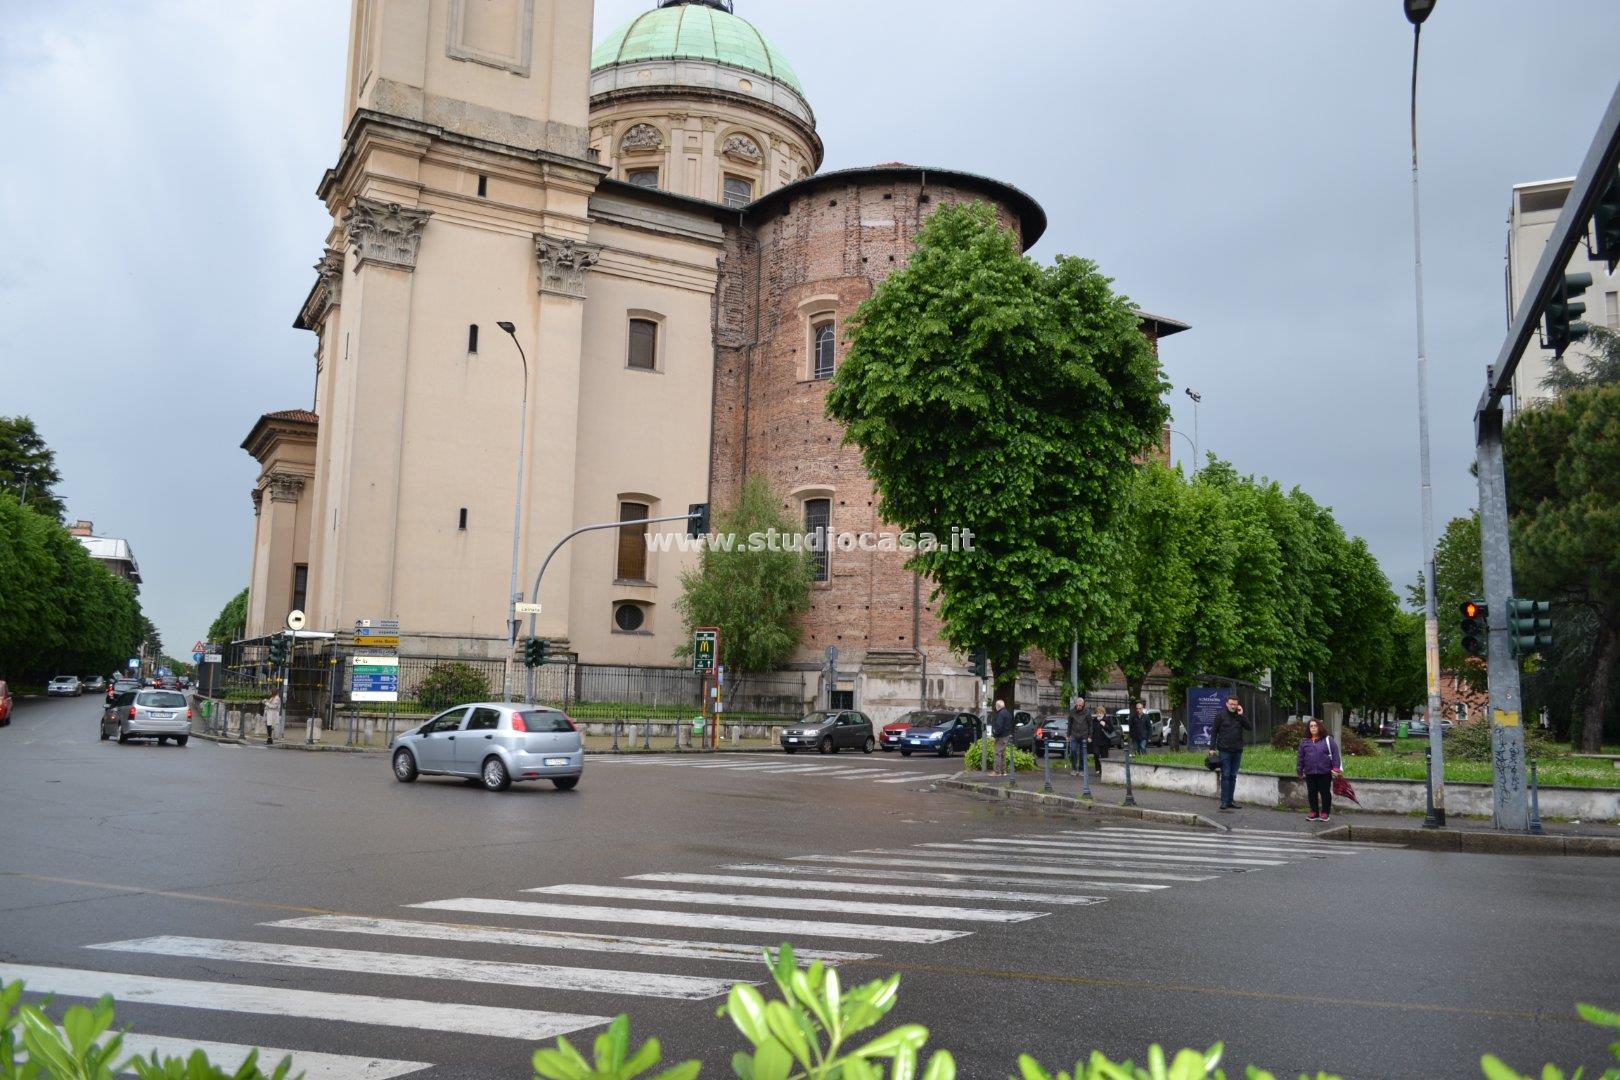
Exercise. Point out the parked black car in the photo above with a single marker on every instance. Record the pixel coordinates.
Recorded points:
(1024, 725)
(829, 731)
(1052, 733)
(951, 732)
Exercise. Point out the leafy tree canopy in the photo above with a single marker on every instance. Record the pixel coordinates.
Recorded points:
(28, 466)
(990, 393)
(231, 623)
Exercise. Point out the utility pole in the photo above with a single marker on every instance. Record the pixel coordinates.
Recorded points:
(1416, 12)
(513, 595)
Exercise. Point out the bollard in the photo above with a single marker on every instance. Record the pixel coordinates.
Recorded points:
(1130, 795)
(1047, 758)
(631, 734)
(1429, 819)
(1535, 801)
(646, 735)
(615, 736)
(1085, 768)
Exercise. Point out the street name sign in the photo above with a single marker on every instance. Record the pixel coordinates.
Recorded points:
(526, 609)
(376, 641)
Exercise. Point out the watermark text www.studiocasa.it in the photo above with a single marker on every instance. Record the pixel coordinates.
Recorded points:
(815, 542)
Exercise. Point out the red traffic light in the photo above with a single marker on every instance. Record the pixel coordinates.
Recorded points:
(1471, 609)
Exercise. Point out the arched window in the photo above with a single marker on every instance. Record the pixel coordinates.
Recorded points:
(823, 335)
(818, 536)
(738, 190)
(647, 178)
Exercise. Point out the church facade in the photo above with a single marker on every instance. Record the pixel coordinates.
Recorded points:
(650, 219)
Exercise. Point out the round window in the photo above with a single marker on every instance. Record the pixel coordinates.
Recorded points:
(628, 617)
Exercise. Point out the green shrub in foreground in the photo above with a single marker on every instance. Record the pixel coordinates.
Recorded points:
(973, 760)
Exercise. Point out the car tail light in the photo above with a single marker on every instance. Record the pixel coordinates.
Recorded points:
(188, 714)
(132, 712)
(517, 722)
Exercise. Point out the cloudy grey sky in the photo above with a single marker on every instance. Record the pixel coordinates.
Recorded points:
(1241, 166)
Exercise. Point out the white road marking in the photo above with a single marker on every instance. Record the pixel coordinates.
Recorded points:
(238, 998)
(554, 939)
(964, 862)
(784, 929)
(1014, 857)
(1170, 844)
(229, 1056)
(1107, 851)
(787, 905)
(1301, 843)
(865, 888)
(537, 976)
(908, 780)
(940, 875)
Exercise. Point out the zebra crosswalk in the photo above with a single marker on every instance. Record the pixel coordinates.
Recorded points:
(774, 766)
(558, 941)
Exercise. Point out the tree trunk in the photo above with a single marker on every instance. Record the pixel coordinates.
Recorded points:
(1598, 690)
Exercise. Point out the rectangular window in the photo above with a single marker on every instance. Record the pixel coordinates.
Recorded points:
(461, 521)
(300, 585)
(643, 344)
(472, 339)
(484, 719)
(739, 191)
(817, 517)
(1611, 313)
(483, 185)
(824, 337)
(647, 178)
(632, 565)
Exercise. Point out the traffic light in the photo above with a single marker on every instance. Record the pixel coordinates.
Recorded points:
(697, 520)
(1529, 626)
(981, 664)
(1475, 627)
(1606, 225)
(1564, 312)
(534, 651)
(278, 650)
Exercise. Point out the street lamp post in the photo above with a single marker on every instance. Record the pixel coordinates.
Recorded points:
(1196, 399)
(1416, 12)
(1192, 444)
(512, 594)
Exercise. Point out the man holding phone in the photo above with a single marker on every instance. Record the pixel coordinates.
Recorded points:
(1226, 736)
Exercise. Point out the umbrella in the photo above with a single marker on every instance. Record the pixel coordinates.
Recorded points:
(1342, 788)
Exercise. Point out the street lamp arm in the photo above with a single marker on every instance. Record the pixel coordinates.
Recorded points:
(1190, 443)
(534, 597)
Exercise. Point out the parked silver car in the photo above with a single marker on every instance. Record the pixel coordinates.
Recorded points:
(494, 743)
(64, 686)
(148, 714)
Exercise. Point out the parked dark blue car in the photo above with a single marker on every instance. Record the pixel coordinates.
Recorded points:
(953, 733)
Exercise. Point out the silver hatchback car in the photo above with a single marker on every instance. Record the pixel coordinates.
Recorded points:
(494, 743)
(148, 714)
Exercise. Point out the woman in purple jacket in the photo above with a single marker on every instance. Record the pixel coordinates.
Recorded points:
(1318, 762)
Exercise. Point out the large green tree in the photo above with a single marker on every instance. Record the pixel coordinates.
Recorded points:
(1563, 468)
(987, 392)
(231, 622)
(1153, 586)
(754, 590)
(28, 466)
(1457, 579)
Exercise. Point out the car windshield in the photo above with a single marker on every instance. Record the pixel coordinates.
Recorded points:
(161, 699)
(545, 721)
(917, 719)
(816, 719)
(63, 678)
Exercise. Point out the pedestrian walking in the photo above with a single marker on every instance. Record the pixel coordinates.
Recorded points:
(1226, 735)
(1001, 726)
(1076, 731)
(1318, 763)
(1100, 741)
(1138, 724)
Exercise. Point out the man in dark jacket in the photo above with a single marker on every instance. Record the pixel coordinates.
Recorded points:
(1099, 737)
(1079, 725)
(1226, 736)
(1139, 727)
(1001, 726)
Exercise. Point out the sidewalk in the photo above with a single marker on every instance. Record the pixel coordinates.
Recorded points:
(338, 741)
(1368, 825)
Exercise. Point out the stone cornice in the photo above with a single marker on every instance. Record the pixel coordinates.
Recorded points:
(387, 234)
(564, 263)
(326, 294)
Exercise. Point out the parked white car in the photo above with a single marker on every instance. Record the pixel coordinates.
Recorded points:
(64, 686)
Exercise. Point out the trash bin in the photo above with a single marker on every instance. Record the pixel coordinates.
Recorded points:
(1400, 729)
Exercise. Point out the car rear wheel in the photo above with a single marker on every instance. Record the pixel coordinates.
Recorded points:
(494, 775)
(105, 735)
(827, 746)
(871, 745)
(404, 766)
(181, 740)
(566, 783)
(163, 740)
(122, 737)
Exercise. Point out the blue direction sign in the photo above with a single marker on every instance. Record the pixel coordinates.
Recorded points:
(196, 657)
(374, 678)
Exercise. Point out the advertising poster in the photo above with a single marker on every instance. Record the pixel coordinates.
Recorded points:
(1204, 703)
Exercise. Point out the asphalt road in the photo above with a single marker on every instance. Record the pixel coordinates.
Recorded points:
(307, 902)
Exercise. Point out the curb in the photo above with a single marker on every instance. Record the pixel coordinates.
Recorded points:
(333, 748)
(1475, 842)
(1070, 804)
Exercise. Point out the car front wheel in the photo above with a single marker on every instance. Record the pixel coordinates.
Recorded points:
(827, 746)
(904, 752)
(790, 749)
(404, 766)
(944, 750)
(871, 745)
(494, 775)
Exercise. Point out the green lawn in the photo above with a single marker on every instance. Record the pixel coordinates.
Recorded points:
(1560, 773)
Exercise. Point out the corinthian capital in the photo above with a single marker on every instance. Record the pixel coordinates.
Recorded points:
(284, 487)
(563, 265)
(384, 233)
(327, 293)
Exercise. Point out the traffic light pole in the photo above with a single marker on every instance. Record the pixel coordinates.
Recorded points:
(1510, 806)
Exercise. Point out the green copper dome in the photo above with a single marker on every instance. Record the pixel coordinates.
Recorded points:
(695, 31)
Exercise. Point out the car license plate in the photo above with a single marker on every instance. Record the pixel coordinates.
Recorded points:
(556, 761)
(790, 738)
(161, 715)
